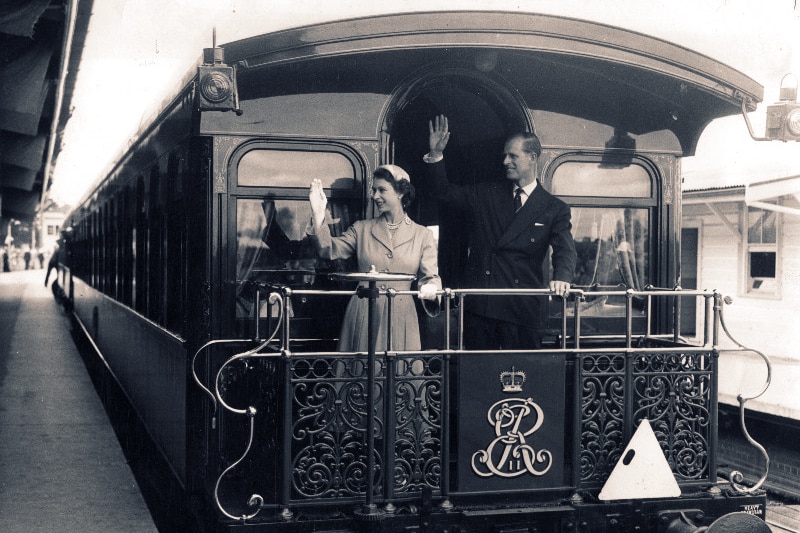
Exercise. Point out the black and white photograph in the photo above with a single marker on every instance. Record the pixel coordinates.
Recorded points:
(454, 266)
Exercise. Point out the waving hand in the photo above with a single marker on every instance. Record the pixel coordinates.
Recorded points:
(439, 134)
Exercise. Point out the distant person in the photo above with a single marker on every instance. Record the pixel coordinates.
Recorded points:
(6, 263)
(27, 258)
(40, 257)
(391, 242)
(513, 225)
(52, 264)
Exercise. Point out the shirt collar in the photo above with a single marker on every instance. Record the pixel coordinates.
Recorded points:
(528, 189)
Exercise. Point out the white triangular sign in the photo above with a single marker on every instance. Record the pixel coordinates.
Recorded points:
(642, 471)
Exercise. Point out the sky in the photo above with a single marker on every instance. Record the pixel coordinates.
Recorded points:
(137, 51)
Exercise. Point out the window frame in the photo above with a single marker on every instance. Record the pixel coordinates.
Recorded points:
(359, 168)
(236, 192)
(651, 203)
(746, 280)
(593, 159)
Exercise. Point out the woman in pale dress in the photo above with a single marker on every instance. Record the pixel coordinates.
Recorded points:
(391, 242)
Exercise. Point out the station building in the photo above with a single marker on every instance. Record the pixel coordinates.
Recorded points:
(744, 241)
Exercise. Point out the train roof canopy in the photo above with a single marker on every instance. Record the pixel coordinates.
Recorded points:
(631, 81)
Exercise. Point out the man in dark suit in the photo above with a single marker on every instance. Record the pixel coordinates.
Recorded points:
(513, 225)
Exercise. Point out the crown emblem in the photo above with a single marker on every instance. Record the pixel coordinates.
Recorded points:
(512, 380)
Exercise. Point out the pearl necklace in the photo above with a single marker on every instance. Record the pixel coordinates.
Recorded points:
(394, 225)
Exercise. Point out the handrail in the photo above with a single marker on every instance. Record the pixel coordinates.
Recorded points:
(579, 294)
(522, 292)
(736, 476)
(255, 500)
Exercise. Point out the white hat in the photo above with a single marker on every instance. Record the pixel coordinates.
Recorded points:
(396, 172)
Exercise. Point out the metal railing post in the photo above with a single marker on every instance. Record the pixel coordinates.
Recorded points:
(579, 297)
(628, 317)
(676, 317)
(286, 448)
(370, 508)
(445, 419)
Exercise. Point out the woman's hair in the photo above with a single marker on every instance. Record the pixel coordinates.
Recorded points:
(399, 180)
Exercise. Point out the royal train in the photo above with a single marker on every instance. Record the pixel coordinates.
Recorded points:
(189, 269)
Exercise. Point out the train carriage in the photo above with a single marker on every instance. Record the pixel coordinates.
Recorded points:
(189, 268)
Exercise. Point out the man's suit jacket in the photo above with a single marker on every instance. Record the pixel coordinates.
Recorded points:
(507, 249)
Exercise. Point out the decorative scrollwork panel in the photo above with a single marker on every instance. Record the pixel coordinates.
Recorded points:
(602, 392)
(670, 389)
(673, 391)
(418, 423)
(329, 420)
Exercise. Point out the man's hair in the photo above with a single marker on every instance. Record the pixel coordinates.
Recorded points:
(530, 142)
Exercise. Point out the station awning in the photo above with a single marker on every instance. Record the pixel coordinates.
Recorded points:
(767, 194)
(42, 45)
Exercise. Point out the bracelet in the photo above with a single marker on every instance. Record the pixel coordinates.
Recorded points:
(433, 157)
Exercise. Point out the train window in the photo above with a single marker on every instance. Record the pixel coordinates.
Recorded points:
(613, 247)
(271, 213)
(761, 258)
(140, 259)
(273, 248)
(155, 244)
(295, 168)
(590, 178)
(126, 240)
(612, 219)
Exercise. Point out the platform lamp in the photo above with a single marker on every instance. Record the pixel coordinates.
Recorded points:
(216, 82)
(783, 117)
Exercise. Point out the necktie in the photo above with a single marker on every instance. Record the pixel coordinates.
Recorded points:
(517, 199)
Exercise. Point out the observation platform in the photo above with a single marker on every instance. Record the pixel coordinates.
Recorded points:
(61, 465)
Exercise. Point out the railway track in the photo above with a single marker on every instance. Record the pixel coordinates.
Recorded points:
(782, 484)
(783, 517)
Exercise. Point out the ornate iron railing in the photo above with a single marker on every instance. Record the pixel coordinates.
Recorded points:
(675, 390)
(319, 432)
(329, 420)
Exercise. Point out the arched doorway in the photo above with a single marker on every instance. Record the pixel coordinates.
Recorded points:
(482, 112)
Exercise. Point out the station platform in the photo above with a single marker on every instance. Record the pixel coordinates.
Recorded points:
(61, 465)
(746, 373)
